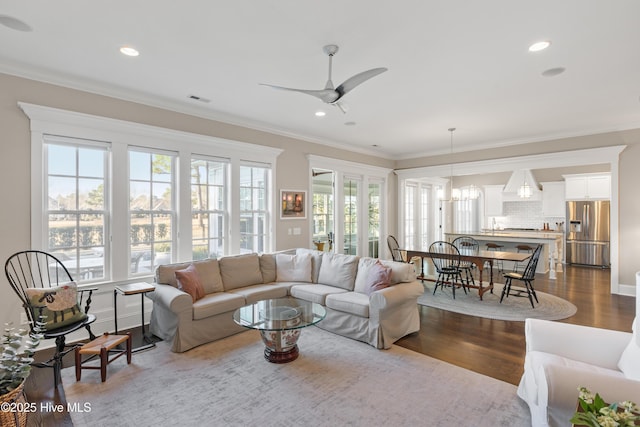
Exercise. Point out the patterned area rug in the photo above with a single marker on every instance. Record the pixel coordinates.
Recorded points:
(512, 308)
(335, 381)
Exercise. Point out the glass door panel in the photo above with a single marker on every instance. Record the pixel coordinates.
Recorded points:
(351, 216)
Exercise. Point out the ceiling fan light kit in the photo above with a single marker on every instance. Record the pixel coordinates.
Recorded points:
(331, 94)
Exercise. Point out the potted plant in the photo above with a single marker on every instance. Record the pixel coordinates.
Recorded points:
(16, 356)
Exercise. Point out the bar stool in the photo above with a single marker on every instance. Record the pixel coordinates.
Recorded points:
(491, 246)
(522, 248)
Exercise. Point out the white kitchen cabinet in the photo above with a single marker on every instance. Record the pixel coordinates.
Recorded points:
(493, 200)
(588, 186)
(553, 199)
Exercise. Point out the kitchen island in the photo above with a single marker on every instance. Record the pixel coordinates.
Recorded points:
(550, 259)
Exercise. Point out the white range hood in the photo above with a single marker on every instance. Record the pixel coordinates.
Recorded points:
(516, 181)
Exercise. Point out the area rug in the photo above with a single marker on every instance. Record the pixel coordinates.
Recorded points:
(335, 381)
(512, 308)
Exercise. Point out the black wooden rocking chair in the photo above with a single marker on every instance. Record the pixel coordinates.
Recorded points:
(37, 277)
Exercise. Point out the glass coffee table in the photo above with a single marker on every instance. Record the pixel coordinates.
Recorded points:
(280, 322)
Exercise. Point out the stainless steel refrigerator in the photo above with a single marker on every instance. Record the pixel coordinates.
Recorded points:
(588, 233)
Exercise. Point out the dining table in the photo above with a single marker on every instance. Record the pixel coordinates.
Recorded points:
(479, 258)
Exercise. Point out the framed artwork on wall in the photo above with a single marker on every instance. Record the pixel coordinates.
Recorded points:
(293, 204)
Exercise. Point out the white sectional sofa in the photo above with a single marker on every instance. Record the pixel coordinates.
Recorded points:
(339, 282)
(561, 357)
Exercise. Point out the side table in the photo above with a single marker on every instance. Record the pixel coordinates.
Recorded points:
(133, 289)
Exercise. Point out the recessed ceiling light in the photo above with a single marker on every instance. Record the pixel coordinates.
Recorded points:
(320, 114)
(538, 46)
(350, 123)
(552, 72)
(129, 51)
(14, 23)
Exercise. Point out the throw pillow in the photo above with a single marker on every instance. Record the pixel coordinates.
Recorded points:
(338, 270)
(59, 305)
(293, 268)
(189, 282)
(378, 278)
(628, 362)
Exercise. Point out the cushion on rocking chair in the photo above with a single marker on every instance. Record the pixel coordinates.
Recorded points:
(58, 305)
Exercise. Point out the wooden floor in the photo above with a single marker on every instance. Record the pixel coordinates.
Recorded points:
(490, 347)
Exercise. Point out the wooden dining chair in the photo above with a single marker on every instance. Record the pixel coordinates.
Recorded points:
(527, 277)
(467, 246)
(446, 260)
(396, 253)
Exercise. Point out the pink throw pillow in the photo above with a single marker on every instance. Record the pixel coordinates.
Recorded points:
(189, 282)
(379, 277)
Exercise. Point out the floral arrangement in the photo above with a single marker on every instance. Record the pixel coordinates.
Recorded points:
(598, 414)
(16, 356)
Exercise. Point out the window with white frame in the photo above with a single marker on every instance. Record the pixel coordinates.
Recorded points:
(76, 212)
(114, 199)
(208, 206)
(151, 208)
(410, 226)
(253, 208)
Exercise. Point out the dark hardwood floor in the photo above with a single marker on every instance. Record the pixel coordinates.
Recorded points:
(490, 347)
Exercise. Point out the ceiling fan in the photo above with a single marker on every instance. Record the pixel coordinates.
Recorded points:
(330, 94)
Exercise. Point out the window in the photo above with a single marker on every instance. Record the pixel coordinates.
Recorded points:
(253, 208)
(425, 218)
(162, 203)
(351, 187)
(151, 209)
(375, 201)
(208, 207)
(410, 226)
(322, 208)
(76, 208)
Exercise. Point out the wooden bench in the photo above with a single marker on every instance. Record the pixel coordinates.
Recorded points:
(102, 346)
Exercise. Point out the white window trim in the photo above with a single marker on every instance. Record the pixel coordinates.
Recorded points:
(365, 174)
(120, 134)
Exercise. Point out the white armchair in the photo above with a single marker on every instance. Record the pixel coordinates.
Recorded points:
(561, 357)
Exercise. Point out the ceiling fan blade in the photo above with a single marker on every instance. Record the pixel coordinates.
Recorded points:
(356, 80)
(326, 95)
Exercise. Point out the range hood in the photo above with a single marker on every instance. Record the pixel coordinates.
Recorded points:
(517, 180)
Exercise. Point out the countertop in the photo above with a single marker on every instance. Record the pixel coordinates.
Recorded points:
(531, 235)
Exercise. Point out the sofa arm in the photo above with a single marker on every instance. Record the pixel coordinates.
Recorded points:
(561, 391)
(596, 346)
(171, 298)
(395, 295)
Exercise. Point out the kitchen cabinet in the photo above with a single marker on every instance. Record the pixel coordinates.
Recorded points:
(588, 187)
(493, 200)
(553, 199)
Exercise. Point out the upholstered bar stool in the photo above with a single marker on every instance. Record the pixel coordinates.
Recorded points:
(491, 246)
(519, 249)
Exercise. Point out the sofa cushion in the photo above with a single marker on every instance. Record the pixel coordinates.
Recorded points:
(240, 270)
(316, 261)
(189, 282)
(314, 292)
(338, 270)
(401, 272)
(349, 302)
(217, 303)
(293, 268)
(208, 270)
(268, 267)
(256, 293)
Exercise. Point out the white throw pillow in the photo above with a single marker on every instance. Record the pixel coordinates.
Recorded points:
(401, 272)
(629, 362)
(338, 270)
(316, 260)
(293, 268)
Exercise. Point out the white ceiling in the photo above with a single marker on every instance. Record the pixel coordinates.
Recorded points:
(452, 63)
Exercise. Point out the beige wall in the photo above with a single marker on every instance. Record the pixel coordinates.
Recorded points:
(292, 166)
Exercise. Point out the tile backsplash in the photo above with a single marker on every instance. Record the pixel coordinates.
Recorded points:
(525, 214)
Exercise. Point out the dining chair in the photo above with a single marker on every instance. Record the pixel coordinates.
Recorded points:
(396, 253)
(446, 260)
(467, 246)
(51, 298)
(520, 249)
(527, 277)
